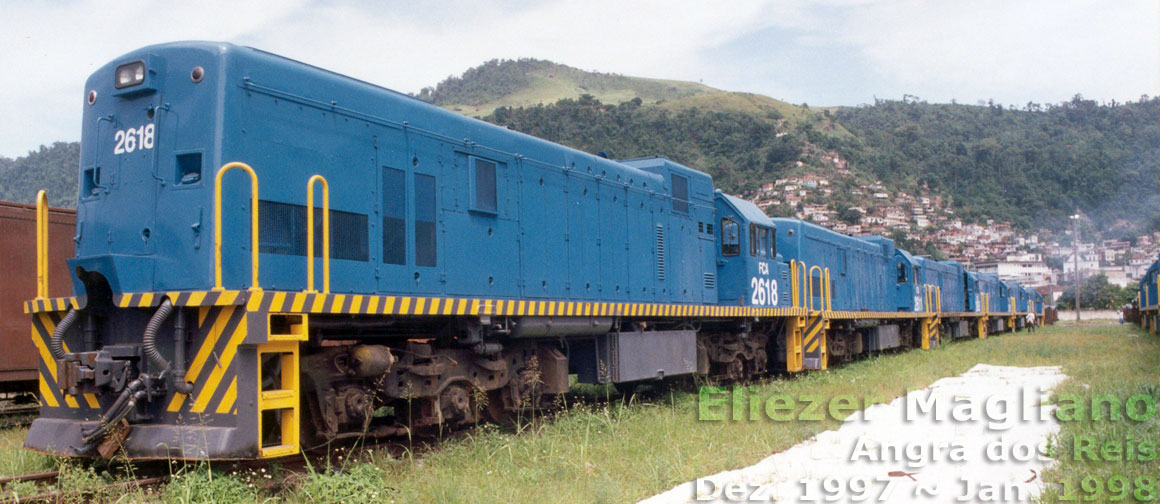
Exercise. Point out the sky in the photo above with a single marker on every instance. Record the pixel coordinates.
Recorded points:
(821, 52)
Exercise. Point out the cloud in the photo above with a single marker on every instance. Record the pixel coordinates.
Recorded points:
(1040, 50)
(823, 52)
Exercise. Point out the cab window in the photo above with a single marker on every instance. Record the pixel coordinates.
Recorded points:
(901, 273)
(761, 242)
(753, 245)
(730, 237)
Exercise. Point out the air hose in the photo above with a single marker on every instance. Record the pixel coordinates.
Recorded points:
(124, 404)
(56, 344)
(149, 340)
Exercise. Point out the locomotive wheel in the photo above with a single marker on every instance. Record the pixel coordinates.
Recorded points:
(735, 370)
(523, 393)
(496, 411)
(760, 362)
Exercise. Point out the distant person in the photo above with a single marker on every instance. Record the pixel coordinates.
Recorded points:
(1120, 313)
(1030, 322)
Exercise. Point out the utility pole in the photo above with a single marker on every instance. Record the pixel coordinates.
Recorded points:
(1075, 260)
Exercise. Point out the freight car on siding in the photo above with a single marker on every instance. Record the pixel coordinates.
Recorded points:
(20, 361)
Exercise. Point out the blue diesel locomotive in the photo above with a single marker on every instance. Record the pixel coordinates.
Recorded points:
(270, 256)
(1148, 298)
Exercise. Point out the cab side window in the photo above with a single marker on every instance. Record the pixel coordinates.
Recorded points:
(730, 237)
(425, 236)
(753, 239)
(901, 273)
(761, 242)
(484, 197)
(680, 194)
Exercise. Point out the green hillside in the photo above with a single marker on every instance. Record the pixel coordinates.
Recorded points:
(531, 82)
(1032, 166)
(53, 169)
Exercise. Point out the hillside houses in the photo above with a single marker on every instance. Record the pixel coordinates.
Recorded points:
(925, 218)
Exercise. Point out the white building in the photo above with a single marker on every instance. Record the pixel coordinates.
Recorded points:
(1027, 269)
(1087, 261)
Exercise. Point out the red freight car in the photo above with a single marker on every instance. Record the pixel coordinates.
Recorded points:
(18, 356)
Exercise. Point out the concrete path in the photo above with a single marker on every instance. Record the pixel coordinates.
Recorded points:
(977, 437)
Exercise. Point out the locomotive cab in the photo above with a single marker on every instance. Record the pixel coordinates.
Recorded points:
(909, 277)
(971, 291)
(749, 268)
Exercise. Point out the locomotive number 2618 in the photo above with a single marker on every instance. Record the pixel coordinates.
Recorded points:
(764, 289)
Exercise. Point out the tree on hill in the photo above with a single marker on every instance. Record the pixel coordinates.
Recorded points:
(483, 83)
(1097, 294)
(52, 168)
(734, 147)
(1030, 167)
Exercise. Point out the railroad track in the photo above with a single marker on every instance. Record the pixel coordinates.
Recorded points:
(17, 415)
(54, 495)
(312, 458)
(17, 409)
(318, 457)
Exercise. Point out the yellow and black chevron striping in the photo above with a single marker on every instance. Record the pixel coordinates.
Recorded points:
(50, 304)
(220, 330)
(187, 298)
(812, 341)
(846, 315)
(42, 326)
(299, 302)
(302, 302)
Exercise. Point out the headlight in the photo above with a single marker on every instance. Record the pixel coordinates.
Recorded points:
(129, 74)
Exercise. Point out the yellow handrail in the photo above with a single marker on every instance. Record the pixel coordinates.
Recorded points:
(325, 234)
(829, 293)
(810, 281)
(793, 282)
(41, 244)
(802, 282)
(217, 225)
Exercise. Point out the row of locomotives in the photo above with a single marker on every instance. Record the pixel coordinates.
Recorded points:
(1035, 305)
(462, 272)
(1147, 298)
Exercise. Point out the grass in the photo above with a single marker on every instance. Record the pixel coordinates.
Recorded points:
(623, 452)
(616, 449)
(14, 459)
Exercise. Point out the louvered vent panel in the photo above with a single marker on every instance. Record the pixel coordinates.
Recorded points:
(710, 281)
(660, 252)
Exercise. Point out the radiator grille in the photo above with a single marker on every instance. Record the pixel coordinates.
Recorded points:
(282, 230)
